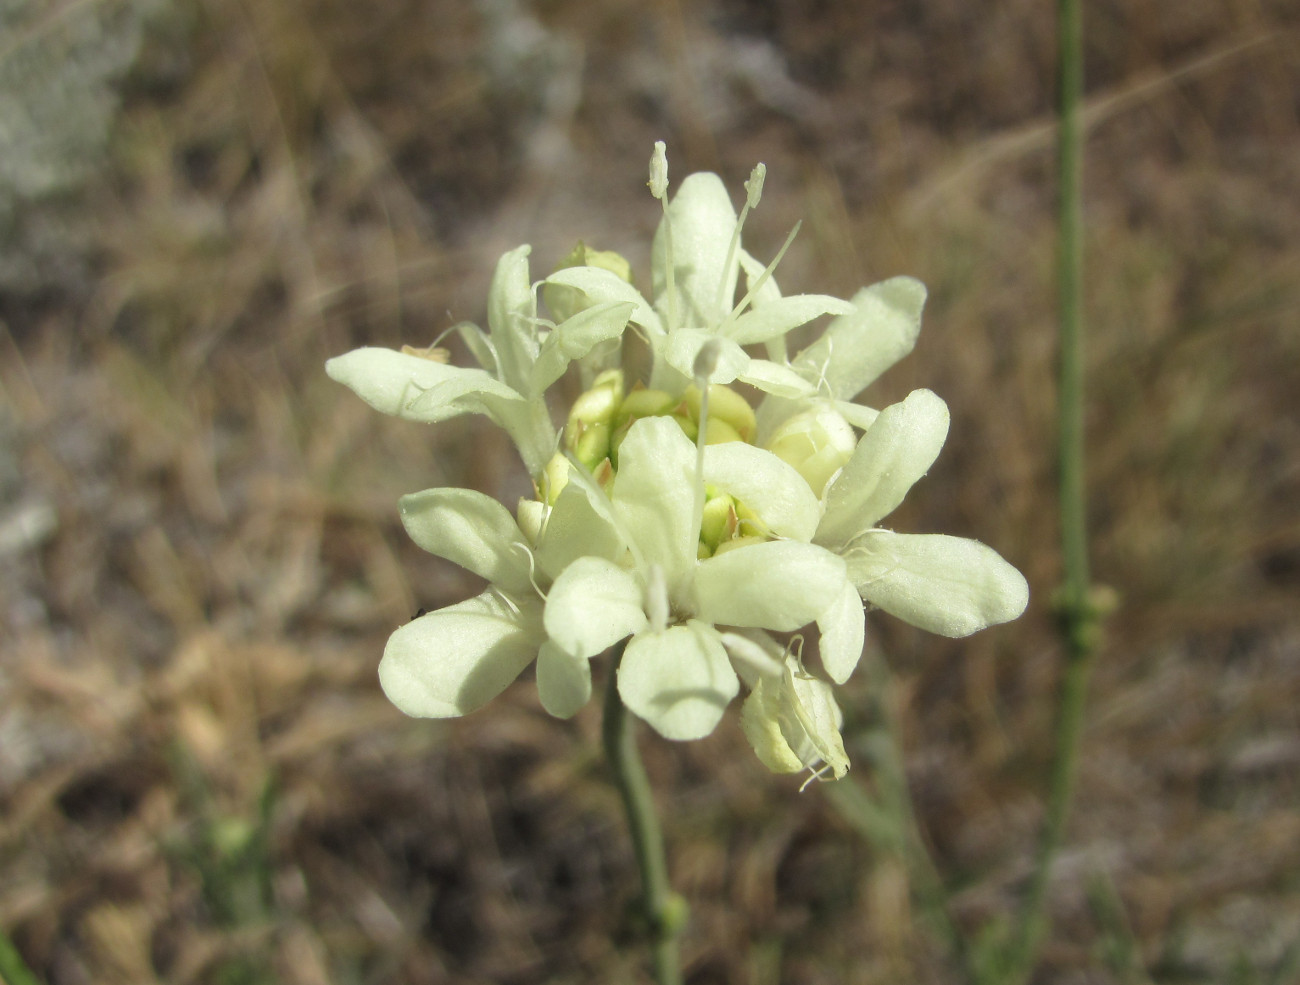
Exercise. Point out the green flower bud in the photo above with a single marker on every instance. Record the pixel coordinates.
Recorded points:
(645, 403)
(689, 427)
(719, 432)
(565, 302)
(816, 442)
(588, 431)
(554, 478)
(718, 522)
(725, 404)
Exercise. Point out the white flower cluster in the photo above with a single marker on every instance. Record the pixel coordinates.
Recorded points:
(672, 515)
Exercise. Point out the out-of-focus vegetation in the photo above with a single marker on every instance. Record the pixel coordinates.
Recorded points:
(200, 555)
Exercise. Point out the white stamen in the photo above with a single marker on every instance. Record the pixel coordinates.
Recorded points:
(656, 599)
(754, 186)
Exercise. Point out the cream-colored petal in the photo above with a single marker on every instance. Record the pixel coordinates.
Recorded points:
(396, 383)
(781, 315)
(654, 497)
(563, 681)
(592, 605)
(606, 287)
(843, 634)
(470, 529)
(895, 452)
(678, 680)
(574, 338)
(947, 585)
(453, 661)
(779, 585)
(702, 220)
(856, 348)
(512, 318)
(576, 527)
(683, 349)
(770, 377)
(771, 488)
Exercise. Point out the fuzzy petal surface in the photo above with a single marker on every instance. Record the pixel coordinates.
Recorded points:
(679, 681)
(946, 585)
(843, 634)
(779, 585)
(654, 497)
(396, 383)
(781, 315)
(453, 661)
(577, 528)
(856, 348)
(606, 287)
(563, 681)
(768, 486)
(469, 529)
(574, 338)
(592, 605)
(897, 450)
(702, 221)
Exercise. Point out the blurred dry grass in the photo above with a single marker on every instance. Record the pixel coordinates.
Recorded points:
(200, 780)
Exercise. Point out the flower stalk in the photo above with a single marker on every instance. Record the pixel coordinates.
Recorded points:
(663, 910)
(1079, 606)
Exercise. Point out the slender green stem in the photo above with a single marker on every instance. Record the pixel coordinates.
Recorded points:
(13, 969)
(664, 910)
(1078, 613)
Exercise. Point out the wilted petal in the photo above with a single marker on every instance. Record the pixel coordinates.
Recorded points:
(895, 452)
(593, 604)
(469, 529)
(679, 680)
(778, 585)
(654, 497)
(563, 681)
(856, 348)
(782, 315)
(766, 485)
(452, 661)
(760, 720)
(947, 585)
(702, 221)
(843, 634)
(793, 723)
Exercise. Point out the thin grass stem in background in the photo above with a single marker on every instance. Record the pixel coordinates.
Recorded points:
(13, 969)
(1076, 609)
(664, 910)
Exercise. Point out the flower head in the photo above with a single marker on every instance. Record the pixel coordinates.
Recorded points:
(668, 515)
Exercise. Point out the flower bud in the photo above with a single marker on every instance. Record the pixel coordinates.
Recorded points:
(718, 522)
(817, 443)
(725, 404)
(644, 403)
(554, 478)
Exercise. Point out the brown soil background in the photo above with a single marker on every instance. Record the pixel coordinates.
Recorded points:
(200, 781)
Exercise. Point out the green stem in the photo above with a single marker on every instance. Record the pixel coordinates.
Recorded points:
(13, 969)
(1078, 614)
(664, 910)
